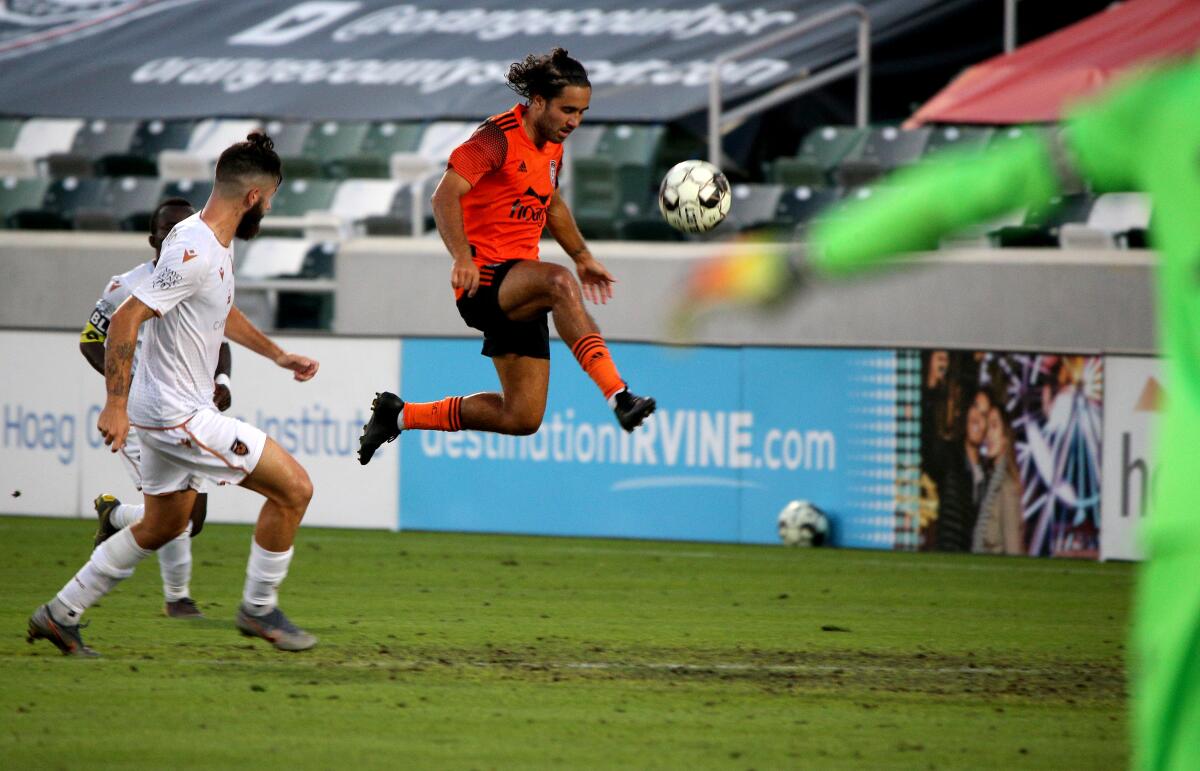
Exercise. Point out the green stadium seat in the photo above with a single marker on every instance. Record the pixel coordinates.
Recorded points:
(373, 158)
(958, 137)
(884, 149)
(616, 183)
(821, 151)
(754, 207)
(9, 129)
(800, 206)
(131, 201)
(95, 140)
(196, 191)
(64, 202)
(326, 141)
(297, 197)
(20, 195)
(149, 139)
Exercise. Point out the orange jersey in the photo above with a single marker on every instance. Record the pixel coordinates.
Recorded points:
(512, 182)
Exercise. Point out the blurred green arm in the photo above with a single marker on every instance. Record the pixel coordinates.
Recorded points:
(920, 205)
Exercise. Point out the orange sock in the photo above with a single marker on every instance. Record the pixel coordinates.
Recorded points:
(592, 354)
(445, 415)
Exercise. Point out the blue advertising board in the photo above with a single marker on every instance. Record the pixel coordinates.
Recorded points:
(738, 433)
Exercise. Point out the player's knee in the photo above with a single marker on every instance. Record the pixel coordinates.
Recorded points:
(300, 492)
(563, 285)
(525, 423)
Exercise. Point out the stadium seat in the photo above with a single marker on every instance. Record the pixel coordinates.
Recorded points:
(96, 139)
(65, 200)
(754, 207)
(9, 129)
(821, 151)
(297, 197)
(20, 195)
(319, 261)
(304, 310)
(37, 139)
(1041, 225)
(429, 158)
(131, 201)
(289, 138)
(799, 206)
(326, 141)
(150, 139)
(1109, 223)
(884, 149)
(616, 183)
(269, 257)
(196, 191)
(373, 159)
(397, 220)
(357, 199)
(208, 140)
(960, 137)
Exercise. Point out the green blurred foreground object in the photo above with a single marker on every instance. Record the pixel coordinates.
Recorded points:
(456, 651)
(1143, 135)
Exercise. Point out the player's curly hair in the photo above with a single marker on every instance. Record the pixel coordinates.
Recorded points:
(168, 203)
(254, 157)
(546, 75)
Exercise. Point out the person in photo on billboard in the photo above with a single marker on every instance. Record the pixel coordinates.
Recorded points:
(1142, 134)
(999, 527)
(175, 556)
(499, 191)
(184, 310)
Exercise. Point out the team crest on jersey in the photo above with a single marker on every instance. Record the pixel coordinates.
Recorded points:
(188, 254)
(554, 173)
(239, 447)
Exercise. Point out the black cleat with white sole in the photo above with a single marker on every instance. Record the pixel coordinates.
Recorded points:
(383, 426)
(631, 410)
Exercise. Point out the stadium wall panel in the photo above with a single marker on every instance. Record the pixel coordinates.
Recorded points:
(1034, 300)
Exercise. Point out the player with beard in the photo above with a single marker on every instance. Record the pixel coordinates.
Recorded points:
(175, 557)
(186, 442)
(498, 192)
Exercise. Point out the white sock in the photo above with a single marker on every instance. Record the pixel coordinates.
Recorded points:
(612, 400)
(126, 514)
(264, 573)
(175, 564)
(111, 562)
(400, 420)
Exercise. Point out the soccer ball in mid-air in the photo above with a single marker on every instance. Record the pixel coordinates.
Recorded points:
(694, 196)
(802, 524)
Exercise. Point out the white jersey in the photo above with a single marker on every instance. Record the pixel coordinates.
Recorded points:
(190, 292)
(116, 291)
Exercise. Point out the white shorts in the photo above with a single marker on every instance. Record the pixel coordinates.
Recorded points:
(131, 459)
(207, 446)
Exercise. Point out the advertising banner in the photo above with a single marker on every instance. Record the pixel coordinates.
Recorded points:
(738, 433)
(1011, 453)
(53, 461)
(379, 60)
(1133, 393)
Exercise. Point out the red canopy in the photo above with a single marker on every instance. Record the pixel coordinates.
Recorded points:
(1035, 82)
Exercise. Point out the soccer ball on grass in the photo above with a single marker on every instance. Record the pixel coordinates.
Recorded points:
(802, 524)
(694, 196)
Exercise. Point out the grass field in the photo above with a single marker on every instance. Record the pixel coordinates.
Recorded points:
(461, 651)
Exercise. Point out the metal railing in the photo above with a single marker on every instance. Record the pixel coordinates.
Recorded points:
(720, 122)
(1010, 25)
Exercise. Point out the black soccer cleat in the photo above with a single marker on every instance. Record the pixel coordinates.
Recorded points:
(631, 410)
(382, 427)
(105, 505)
(182, 608)
(42, 626)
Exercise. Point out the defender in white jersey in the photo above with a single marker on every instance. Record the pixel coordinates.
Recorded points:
(175, 557)
(183, 311)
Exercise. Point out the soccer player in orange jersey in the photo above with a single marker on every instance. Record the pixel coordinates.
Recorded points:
(498, 192)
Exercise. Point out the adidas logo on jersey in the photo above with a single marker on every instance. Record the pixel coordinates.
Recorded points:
(523, 168)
